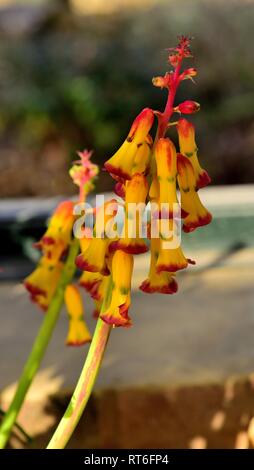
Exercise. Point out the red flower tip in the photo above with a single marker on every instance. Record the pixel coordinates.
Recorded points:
(77, 343)
(144, 119)
(116, 171)
(123, 320)
(34, 290)
(184, 127)
(132, 248)
(203, 180)
(171, 268)
(171, 288)
(191, 226)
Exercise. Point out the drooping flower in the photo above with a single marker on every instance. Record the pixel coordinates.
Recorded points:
(122, 164)
(131, 240)
(171, 257)
(78, 333)
(188, 148)
(59, 232)
(162, 283)
(42, 282)
(94, 257)
(165, 156)
(198, 215)
(116, 313)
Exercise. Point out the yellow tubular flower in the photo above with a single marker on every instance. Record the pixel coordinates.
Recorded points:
(78, 332)
(142, 157)
(116, 313)
(59, 231)
(197, 214)
(188, 148)
(122, 162)
(94, 256)
(163, 283)
(170, 259)
(135, 193)
(165, 156)
(42, 282)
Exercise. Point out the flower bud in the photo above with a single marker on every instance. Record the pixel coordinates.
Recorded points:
(188, 107)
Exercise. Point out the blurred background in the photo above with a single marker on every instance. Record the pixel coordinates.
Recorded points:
(73, 75)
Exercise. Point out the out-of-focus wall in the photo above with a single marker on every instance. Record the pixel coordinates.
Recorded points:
(73, 77)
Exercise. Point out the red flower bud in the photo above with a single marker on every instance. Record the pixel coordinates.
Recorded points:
(188, 107)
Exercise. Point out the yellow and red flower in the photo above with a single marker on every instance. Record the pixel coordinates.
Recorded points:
(116, 313)
(170, 256)
(131, 240)
(122, 164)
(94, 256)
(162, 283)
(165, 157)
(59, 232)
(198, 215)
(78, 333)
(188, 148)
(42, 282)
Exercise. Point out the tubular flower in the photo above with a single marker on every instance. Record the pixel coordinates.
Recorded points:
(42, 282)
(130, 240)
(163, 283)
(198, 215)
(58, 235)
(122, 164)
(188, 148)
(121, 270)
(78, 332)
(94, 257)
(165, 156)
(170, 259)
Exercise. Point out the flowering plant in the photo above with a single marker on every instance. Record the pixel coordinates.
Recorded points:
(157, 191)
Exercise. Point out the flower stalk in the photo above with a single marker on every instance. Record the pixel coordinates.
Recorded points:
(86, 380)
(39, 346)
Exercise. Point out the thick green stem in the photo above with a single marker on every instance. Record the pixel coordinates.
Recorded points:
(85, 383)
(39, 346)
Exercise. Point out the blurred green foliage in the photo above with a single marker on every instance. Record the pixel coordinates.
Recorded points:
(83, 79)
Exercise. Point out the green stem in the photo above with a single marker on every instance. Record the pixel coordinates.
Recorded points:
(85, 383)
(39, 346)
